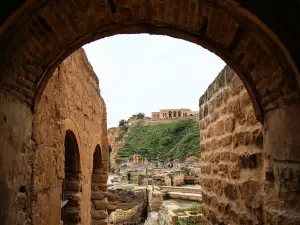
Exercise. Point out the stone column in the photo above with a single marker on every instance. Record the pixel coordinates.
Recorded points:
(99, 198)
(282, 147)
(72, 192)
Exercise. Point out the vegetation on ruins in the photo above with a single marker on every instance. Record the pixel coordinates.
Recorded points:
(139, 115)
(163, 142)
(120, 136)
(196, 208)
(121, 123)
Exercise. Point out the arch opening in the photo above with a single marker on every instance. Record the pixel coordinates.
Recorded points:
(71, 188)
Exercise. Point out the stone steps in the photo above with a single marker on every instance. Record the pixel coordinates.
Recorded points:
(185, 196)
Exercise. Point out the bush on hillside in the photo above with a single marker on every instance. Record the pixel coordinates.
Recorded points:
(121, 123)
(139, 115)
(175, 140)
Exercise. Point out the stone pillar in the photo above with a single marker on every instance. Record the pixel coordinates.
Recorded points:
(282, 146)
(99, 198)
(72, 192)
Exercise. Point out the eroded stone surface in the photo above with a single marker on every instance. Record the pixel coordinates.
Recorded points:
(231, 155)
(32, 173)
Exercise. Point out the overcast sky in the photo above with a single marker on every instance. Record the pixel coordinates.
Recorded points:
(146, 73)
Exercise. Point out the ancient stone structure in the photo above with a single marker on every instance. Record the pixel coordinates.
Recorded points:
(126, 206)
(258, 39)
(232, 163)
(138, 159)
(64, 156)
(171, 113)
(155, 200)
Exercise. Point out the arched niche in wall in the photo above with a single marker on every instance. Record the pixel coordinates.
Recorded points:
(71, 188)
(98, 194)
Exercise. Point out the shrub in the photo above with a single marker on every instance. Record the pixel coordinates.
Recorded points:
(121, 123)
(140, 115)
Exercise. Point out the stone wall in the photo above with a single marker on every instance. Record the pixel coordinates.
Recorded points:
(232, 164)
(16, 153)
(127, 206)
(71, 101)
(33, 160)
(155, 200)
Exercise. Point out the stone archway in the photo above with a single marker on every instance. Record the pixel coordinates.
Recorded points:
(240, 38)
(98, 194)
(262, 47)
(71, 189)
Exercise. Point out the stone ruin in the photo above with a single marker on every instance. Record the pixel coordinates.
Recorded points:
(237, 160)
(232, 160)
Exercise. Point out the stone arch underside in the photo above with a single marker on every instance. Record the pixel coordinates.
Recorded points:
(54, 30)
(72, 189)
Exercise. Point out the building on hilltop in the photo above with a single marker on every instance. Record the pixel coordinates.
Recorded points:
(174, 114)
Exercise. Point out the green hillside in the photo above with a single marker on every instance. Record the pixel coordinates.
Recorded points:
(175, 140)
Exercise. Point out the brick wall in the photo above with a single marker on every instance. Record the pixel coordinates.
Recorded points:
(231, 153)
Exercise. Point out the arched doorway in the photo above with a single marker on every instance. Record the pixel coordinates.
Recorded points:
(262, 47)
(71, 188)
(98, 203)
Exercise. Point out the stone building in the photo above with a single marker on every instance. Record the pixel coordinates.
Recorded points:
(171, 114)
(258, 39)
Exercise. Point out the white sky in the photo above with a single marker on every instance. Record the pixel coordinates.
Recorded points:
(146, 73)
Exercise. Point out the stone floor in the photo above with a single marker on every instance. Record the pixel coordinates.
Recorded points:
(171, 204)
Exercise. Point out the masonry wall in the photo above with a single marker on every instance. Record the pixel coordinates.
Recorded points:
(232, 165)
(71, 101)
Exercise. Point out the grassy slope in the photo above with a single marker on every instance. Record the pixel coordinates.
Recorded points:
(162, 141)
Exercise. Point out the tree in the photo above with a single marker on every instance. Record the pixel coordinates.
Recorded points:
(121, 123)
(140, 115)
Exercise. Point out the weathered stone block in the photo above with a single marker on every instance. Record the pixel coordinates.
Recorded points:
(249, 161)
(223, 169)
(218, 187)
(100, 205)
(72, 185)
(235, 171)
(230, 191)
(219, 128)
(227, 140)
(250, 191)
(99, 222)
(213, 144)
(225, 156)
(98, 214)
(99, 195)
(229, 124)
(72, 214)
(74, 198)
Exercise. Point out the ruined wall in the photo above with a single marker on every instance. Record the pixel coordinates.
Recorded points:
(231, 153)
(127, 206)
(15, 160)
(71, 101)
